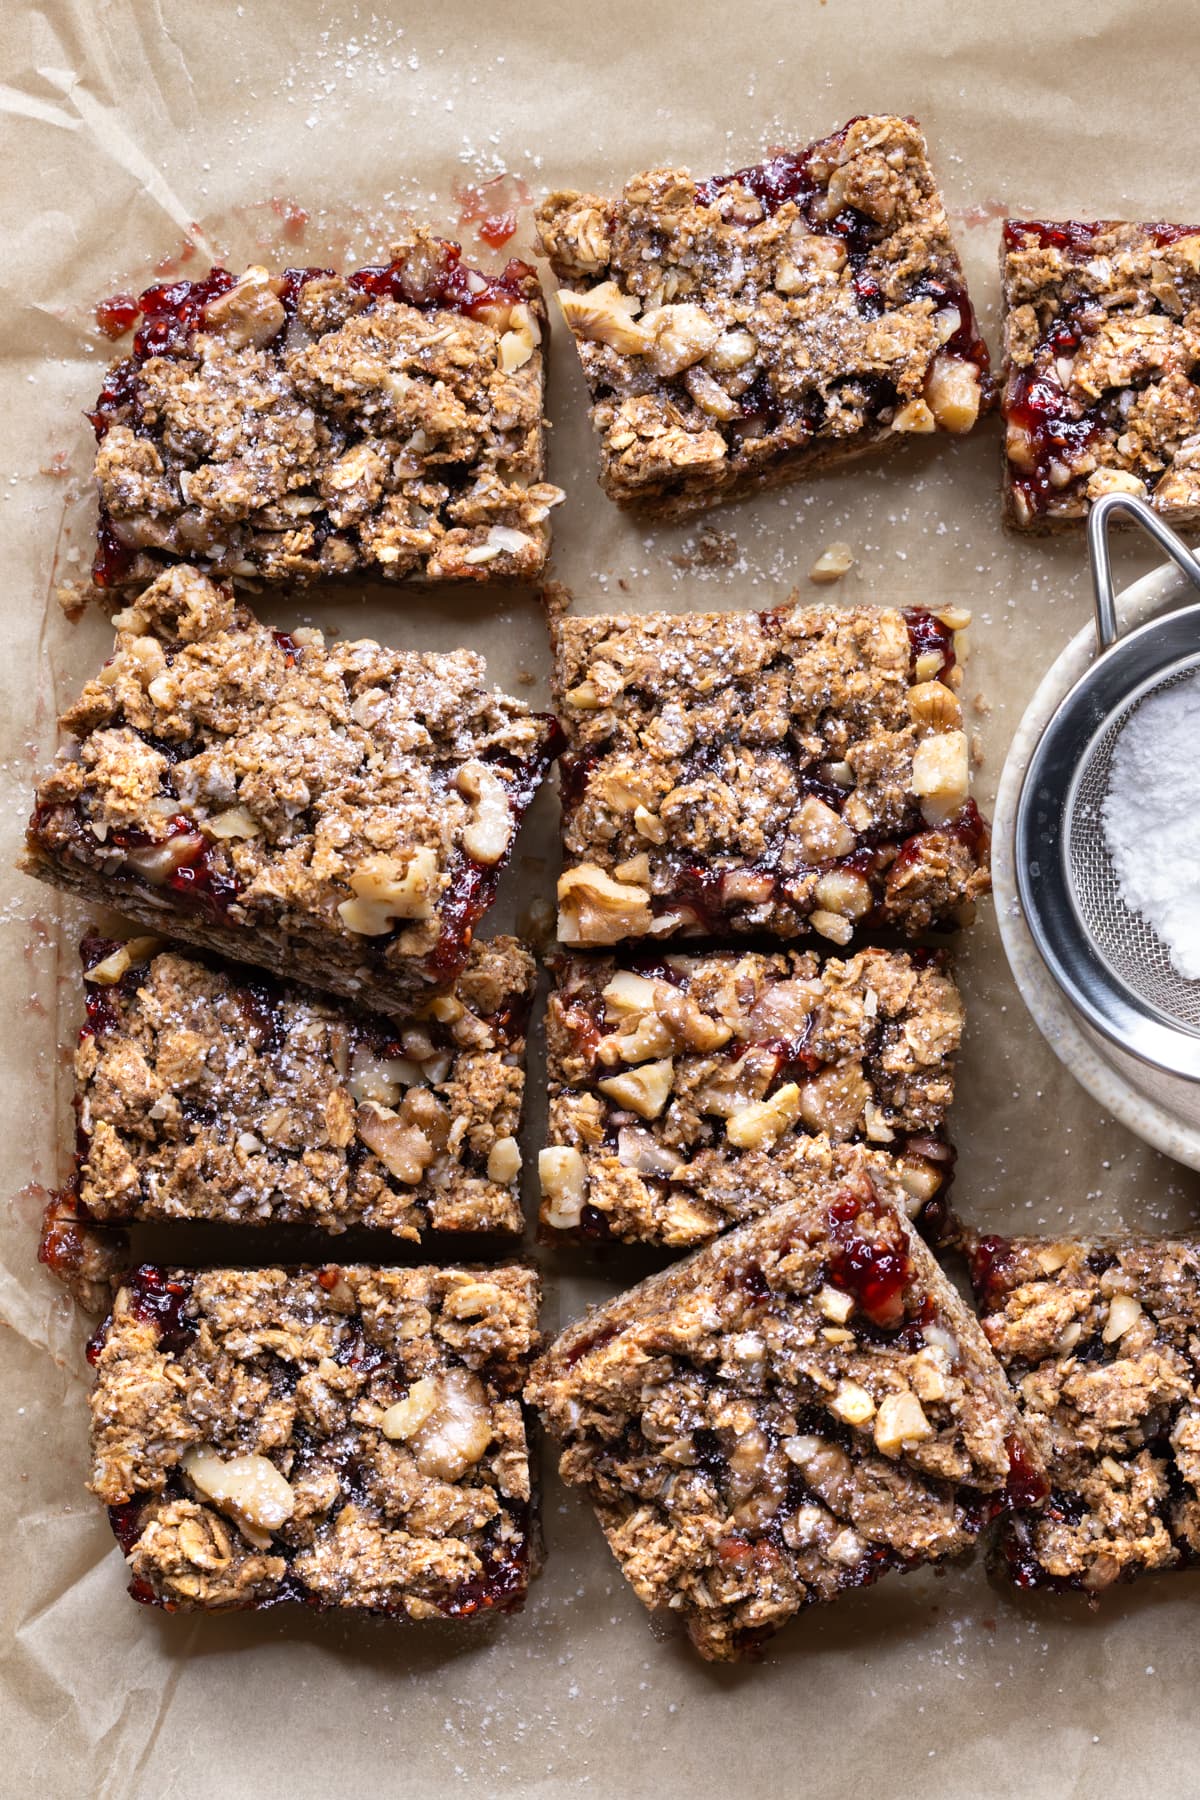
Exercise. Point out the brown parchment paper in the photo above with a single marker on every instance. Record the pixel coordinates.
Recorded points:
(131, 130)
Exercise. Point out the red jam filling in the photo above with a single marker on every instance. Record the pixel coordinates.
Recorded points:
(927, 634)
(472, 886)
(491, 206)
(500, 1584)
(173, 312)
(197, 878)
(156, 1301)
(876, 1270)
(61, 1244)
(1057, 430)
(449, 284)
(162, 1303)
(117, 315)
(290, 283)
(1026, 1485)
(788, 176)
(990, 1262)
(1078, 236)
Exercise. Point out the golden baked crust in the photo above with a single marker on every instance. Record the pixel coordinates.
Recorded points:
(749, 329)
(204, 1092)
(794, 771)
(338, 813)
(1101, 346)
(1101, 1341)
(350, 1437)
(303, 425)
(688, 1093)
(784, 1415)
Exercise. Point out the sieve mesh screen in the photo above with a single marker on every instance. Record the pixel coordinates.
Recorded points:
(1131, 948)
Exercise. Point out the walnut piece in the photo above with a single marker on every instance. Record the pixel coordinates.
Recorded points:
(401, 1146)
(953, 390)
(250, 313)
(681, 335)
(457, 1428)
(760, 1125)
(504, 1160)
(388, 888)
(593, 908)
(562, 1174)
(117, 964)
(489, 833)
(644, 1091)
(605, 316)
(832, 564)
(900, 1423)
(941, 775)
(407, 1416)
(249, 1488)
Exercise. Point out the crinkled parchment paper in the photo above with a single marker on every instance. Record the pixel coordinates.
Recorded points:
(136, 135)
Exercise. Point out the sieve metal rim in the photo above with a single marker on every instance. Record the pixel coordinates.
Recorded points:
(1123, 667)
(1124, 710)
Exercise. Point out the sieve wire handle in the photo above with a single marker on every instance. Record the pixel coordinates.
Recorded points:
(1137, 511)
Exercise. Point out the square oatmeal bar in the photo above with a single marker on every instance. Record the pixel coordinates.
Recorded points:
(307, 424)
(787, 1414)
(338, 813)
(1101, 1341)
(748, 329)
(1101, 349)
(794, 771)
(203, 1091)
(688, 1093)
(350, 1437)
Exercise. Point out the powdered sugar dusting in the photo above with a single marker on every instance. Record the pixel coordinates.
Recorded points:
(1151, 818)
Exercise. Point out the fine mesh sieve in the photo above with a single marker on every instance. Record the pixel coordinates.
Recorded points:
(1109, 962)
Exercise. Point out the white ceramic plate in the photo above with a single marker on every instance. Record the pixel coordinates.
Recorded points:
(1161, 1109)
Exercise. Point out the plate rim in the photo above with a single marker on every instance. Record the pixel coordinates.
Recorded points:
(1083, 1052)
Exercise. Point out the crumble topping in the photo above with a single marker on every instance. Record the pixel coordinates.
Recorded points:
(204, 1092)
(336, 812)
(351, 1437)
(690, 1092)
(788, 1413)
(1101, 1342)
(743, 330)
(296, 426)
(794, 771)
(1101, 345)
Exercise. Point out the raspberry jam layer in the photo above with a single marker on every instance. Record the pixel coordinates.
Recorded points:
(172, 313)
(472, 886)
(788, 176)
(876, 1269)
(1056, 429)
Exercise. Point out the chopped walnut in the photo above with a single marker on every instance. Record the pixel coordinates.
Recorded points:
(249, 1488)
(593, 908)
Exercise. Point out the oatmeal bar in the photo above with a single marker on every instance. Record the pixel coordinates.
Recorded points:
(1101, 347)
(204, 1092)
(350, 1437)
(748, 329)
(339, 813)
(686, 1092)
(788, 1413)
(308, 424)
(1101, 1341)
(798, 770)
